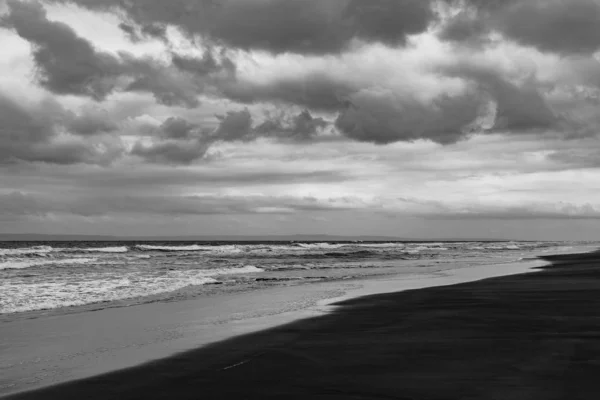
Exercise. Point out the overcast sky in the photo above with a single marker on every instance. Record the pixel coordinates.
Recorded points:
(415, 118)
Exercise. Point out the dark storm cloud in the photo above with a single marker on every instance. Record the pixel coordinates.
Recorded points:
(279, 26)
(567, 27)
(385, 117)
(69, 64)
(518, 107)
(32, 134)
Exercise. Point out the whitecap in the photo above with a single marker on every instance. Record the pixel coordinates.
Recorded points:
(22, 264)
(27, 250)
(213, 249)
(116, 249)
(89, 288)
(319, 246)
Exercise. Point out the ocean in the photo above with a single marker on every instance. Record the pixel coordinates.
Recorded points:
(37, 278)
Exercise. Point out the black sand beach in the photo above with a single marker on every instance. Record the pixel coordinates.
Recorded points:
(531, 336)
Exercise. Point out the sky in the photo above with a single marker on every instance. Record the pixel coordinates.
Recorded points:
(408, 118)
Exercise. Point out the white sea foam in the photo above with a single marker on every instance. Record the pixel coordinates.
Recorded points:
(116, 249)
(97, 287)
(321, 246)
(223, 249)
(248, 269)
(381, 245)
(19, 263)
(41, 250)
(149, 247)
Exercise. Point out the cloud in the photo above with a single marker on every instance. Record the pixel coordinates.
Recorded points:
(69, 64)
(541, 211)
(91, 121)
(566, 27)
(466, 28)
(28, 204)
(171, 151)
(203, 66)
(299, 127)
(519, 107)
(384, 117)
(558, 26)
(177, 128)
(182, 142)
(235, 125)
(280, 26)
(316, 91)
(19, 204)
(39, 133)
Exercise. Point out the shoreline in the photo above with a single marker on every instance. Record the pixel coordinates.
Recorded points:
(141, 333)
(196, 292)
(531, 335)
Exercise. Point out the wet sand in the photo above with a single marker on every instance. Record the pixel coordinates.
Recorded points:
(527, 336)
(59, 348)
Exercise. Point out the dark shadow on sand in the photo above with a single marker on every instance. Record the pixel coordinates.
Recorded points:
(532, 336)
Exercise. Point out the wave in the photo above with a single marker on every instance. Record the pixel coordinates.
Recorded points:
(22, 264)
(320, 246)
(115, 249)
(39, 250)
(21, 297)
(148, 247)
(382, 245)
(247, 269)
(194, 247)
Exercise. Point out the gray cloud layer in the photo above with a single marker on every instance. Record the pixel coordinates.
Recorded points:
(23, 204)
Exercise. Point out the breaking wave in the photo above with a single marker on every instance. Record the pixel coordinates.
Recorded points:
(42, 295)
(36, 250)
(116, 249)
(29, 263)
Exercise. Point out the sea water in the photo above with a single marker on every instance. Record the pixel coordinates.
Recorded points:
(55, 276)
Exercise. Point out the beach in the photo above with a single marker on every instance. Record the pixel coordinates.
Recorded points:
(226, 331)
